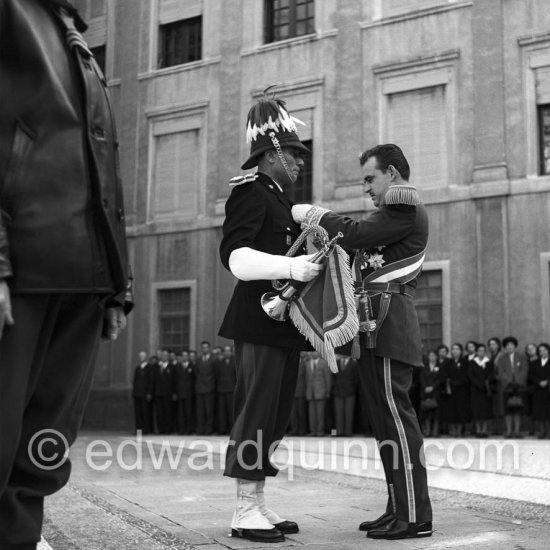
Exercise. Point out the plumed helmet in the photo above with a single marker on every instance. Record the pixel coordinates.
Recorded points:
(268, 123)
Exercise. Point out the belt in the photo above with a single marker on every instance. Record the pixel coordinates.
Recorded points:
(391, 288)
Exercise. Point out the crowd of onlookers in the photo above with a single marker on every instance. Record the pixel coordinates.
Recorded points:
(485, 389)
(184, 391)
(477, 390)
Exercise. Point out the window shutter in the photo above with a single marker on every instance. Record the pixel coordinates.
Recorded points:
(417, 123)
(175, 10)
(176, 173)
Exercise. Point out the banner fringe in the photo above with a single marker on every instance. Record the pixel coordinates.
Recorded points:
(344, 332)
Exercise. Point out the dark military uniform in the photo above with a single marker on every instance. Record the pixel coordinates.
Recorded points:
(258, 215)
(391, 243)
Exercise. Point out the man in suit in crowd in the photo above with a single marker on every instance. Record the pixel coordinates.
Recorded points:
(64, 276)
(165, 393)
(185, 390)
(318, 385)
(344, 389)
(298, 419)
(174, 364)
(390, 246)
(258, 232)
(226, 378)
(142, 392)
(205, 389)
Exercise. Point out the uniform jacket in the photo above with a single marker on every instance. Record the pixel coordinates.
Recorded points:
(185, 380)
(402, 231)
(226, 375)
(318, 379)
(143, 381)
(205, 374)
(346, 381)
(164, 380)
(258, 216)
(512, 378)
(62, 223)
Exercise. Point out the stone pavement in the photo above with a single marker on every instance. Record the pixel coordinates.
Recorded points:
(128, 496)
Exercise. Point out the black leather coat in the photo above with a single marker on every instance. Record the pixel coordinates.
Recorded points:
(62, 223)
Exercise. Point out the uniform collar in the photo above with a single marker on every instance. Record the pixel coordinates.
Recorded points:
(275, 188)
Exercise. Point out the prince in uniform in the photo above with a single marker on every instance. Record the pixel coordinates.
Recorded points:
(257, 233)
(390, 248)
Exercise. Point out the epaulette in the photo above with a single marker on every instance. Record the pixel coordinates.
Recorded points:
(239, 180)
(402, 194)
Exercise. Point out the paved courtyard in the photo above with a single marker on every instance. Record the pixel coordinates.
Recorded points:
(125, 495)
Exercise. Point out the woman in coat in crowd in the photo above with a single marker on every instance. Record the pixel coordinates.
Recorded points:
(458, 412)
(532, 354)
(539, 376)
(511, 374)
(494, 347)
(445, 388)
(480, 373)
(430, 384)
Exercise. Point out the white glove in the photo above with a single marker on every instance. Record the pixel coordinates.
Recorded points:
(299, 212)
(301, 269)
(248, 264)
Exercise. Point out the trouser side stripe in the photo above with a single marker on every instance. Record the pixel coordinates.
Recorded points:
(402, 439)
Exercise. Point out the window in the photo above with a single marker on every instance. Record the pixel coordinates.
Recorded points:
(288, 19)
(301, 191)
(544, 138)
(429, 306)
(417, 121)
(180, 42)
(174, 306)
(176, 173)
(99, 54)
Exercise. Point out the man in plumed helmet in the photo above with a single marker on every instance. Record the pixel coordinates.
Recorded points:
(257, 233)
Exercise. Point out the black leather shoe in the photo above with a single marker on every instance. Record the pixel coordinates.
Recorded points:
(398, 529)
(384, 519)
(287, 527)
(259, 535)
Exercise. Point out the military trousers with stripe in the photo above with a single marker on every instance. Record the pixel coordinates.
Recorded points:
(386, 384)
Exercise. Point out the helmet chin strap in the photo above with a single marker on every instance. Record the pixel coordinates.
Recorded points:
(281, 156)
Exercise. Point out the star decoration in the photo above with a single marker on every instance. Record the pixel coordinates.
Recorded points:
(376, 261)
